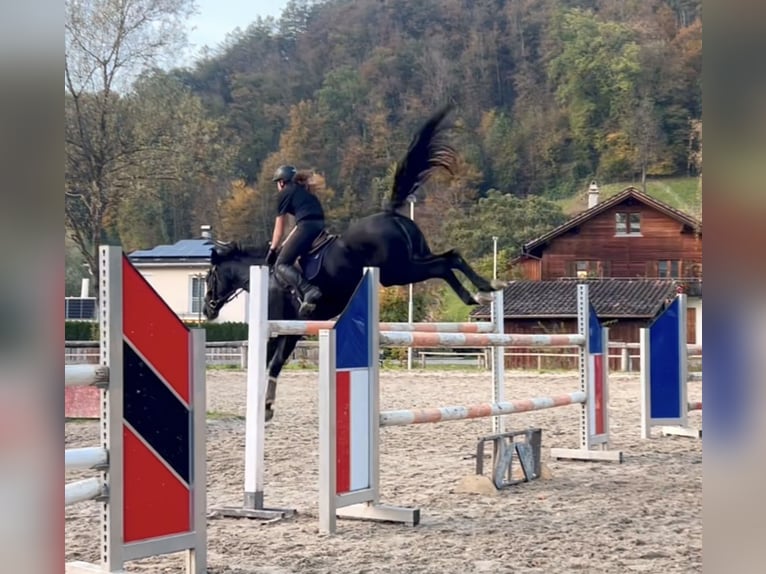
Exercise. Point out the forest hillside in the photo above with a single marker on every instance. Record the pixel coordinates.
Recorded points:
(548, 95)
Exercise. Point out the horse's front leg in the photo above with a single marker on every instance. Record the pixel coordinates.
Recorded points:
(271, 388)
(283, 348)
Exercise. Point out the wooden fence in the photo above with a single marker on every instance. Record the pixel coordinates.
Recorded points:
(622, 356)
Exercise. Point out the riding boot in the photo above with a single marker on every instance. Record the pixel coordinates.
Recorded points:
(309, 294)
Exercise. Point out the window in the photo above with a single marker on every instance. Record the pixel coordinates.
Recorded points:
(668, 269)
(581, 269)
(197, 293)
(627, 223)
(585, 269)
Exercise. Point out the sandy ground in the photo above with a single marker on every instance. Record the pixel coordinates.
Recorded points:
(643, 515)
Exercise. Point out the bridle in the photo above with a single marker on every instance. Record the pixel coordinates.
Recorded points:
(212, 281)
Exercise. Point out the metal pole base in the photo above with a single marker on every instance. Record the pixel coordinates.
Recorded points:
(681, 431)
(270, 514)
(510, 450)
(584, 454)
(380, 513)
(253, 508)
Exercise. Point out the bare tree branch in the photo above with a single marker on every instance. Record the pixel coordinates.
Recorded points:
(109, 43)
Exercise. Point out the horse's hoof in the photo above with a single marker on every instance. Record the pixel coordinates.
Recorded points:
(269, 414)
(497, 284)
(483, 298)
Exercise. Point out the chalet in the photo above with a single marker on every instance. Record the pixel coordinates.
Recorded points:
(177, 272)
(629, 235)
(636, 252)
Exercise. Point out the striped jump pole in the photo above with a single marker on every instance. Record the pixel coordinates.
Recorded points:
(151, 460)
(313, 327)
(664, 374)
(458, 413)
(416, 339)
(350, 417)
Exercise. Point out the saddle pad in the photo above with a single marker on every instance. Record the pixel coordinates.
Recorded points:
(311, 264)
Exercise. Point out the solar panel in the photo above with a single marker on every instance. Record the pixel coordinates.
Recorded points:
(185, 248)
(80, 308)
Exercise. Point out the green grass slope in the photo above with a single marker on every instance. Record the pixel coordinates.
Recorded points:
(680, 192)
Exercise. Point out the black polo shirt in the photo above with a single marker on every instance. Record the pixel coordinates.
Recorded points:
(298, 201)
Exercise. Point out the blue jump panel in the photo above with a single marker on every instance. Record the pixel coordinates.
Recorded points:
(665, 369)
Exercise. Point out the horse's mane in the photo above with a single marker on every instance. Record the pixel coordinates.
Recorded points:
(427, 152)
(237, 250)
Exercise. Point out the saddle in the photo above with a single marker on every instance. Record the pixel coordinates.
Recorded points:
(311, 262)
(320, 242)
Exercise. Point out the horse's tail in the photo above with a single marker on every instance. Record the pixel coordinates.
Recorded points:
(427, 152)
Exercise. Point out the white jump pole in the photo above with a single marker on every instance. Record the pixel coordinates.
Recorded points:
(255, 419)
(498, 361)
(86, 375)
(258, 316)
(82, 490)
(85, 458)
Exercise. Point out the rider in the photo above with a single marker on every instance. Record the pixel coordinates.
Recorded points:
(297, 199)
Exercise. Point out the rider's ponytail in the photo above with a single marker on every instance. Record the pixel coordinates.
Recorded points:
(311, 180)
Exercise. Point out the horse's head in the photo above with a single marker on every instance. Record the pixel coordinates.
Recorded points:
(229, 273)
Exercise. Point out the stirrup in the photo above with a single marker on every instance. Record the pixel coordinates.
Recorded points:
(306, 308)
(308, 304)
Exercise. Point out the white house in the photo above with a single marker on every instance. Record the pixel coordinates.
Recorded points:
(177, 273)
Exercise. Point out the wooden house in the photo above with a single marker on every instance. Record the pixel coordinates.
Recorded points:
(636, 252)
(629, 235)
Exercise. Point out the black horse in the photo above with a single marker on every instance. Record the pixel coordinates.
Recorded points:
(387, 240)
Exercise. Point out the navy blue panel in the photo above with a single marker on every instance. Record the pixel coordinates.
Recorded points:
(665, 368)
(353, 329)
(158, 416)
(595, 339)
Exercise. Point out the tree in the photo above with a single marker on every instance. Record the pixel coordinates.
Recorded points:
(595, 72)
(245, 215)
(108, 44)
(646, 136)
(695, 159)
(514, 221)
(186, 157)
(75, 269)
(394, 304)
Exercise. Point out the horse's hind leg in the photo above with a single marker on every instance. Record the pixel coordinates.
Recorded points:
(482, 284)
(438, 267)
(441, 265)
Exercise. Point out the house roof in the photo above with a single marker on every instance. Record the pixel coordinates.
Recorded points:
(611, 298)
(185, 250)
(578, 219)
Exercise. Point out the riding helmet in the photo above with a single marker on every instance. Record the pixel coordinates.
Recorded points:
(284, 173)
